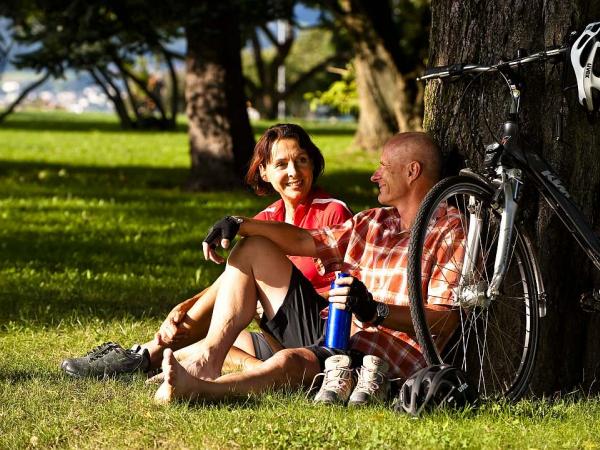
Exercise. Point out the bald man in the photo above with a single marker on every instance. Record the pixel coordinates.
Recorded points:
(371, 247)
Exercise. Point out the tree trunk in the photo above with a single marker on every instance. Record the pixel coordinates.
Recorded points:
(221, 140)
(485, 32)
(386, 100)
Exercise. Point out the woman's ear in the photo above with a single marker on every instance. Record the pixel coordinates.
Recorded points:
(263, 173)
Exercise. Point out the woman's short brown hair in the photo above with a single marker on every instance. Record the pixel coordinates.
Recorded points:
(262, 154)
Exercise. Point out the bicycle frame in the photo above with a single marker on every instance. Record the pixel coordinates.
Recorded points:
(513, 162)
(512, 166)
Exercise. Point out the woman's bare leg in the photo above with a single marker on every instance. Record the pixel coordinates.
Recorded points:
(287, 368)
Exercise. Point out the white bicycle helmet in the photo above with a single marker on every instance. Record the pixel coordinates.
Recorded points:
(583, 57)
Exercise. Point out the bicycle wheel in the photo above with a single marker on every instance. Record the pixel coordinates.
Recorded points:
(492, 338)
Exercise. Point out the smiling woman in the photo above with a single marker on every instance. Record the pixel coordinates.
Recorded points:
(285, 162)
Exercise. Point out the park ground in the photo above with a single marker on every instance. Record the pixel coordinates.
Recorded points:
(98, 241)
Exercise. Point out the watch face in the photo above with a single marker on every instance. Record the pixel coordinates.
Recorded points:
(383, 310)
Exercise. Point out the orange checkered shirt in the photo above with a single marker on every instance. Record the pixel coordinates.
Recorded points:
(373, 247)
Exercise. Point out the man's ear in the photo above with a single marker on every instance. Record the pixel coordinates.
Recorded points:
(414, 170)
(263, 173)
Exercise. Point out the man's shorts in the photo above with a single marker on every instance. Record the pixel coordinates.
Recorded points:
(298, 323)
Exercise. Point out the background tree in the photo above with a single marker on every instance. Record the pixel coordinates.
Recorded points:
(103, 39)
(484, 32)
(389, 39)
(306, 53)
(106, 38)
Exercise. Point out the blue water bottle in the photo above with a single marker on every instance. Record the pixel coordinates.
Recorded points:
(337, 331)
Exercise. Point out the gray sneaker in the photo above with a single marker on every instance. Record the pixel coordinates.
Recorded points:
(373, 384)
(337, 382)
(107, 360)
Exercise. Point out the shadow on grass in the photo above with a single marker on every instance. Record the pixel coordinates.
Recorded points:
(82, 179)
(134, 258)
(65, 122)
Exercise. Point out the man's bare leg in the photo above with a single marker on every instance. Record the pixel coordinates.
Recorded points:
(256, 268)
(287, 368)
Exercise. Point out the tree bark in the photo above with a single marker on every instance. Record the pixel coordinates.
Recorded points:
(485, 32)
(387, 103)
(221, 140)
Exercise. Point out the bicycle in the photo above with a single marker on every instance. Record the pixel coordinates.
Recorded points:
(497, 288)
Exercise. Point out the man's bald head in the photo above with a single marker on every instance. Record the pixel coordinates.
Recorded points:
(418, 146)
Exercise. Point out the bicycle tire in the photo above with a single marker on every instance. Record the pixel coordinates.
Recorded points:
(494, 343)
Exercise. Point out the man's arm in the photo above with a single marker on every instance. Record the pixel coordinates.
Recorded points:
(353, 294)
(441, 319)
(291, 239)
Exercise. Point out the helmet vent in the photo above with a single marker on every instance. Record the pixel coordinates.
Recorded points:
(583, 42)
(584, 54)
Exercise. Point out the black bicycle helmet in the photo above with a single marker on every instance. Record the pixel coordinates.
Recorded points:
(585, 60)
(435, 386)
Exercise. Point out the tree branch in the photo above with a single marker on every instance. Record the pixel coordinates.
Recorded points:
(140, 83)
(174, 87)
(116, 98)
(20, 98)
(292, 87)
(254, 90)
(269, 34)
(258, 60)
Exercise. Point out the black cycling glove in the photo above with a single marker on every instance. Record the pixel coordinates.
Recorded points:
(360, 302)
(226, 228)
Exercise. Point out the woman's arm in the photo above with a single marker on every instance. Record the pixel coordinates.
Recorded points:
(291, 239)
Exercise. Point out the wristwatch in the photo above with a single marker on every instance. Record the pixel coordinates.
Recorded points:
(382, 311)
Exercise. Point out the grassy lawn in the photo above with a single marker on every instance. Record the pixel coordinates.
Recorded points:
(98, 242)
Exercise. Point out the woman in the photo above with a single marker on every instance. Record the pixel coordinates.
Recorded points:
(285, 162)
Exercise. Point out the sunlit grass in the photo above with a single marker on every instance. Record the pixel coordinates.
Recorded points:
(98, 241)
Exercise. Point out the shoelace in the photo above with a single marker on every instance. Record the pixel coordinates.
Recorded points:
(370, 384)
(344, 376)
(328, 380)
(101, 350)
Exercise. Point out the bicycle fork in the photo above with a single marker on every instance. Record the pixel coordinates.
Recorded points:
(511, 185)
(482, 293)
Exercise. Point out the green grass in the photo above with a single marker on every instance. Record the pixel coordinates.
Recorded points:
(98, 242)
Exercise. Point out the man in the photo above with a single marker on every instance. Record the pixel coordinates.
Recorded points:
(372, 247)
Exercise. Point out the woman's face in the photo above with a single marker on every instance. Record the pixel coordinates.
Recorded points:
(290, 171)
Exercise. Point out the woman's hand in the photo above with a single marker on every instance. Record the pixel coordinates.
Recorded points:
(221, 233)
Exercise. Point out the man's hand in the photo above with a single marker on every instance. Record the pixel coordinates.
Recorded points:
(172, 329)
(354, 297)
(221, 233)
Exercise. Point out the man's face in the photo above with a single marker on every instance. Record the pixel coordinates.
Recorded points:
(391, 176)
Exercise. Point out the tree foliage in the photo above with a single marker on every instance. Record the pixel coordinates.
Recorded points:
(104, 39)
(305, 52)
(389, 43)
(341, 95)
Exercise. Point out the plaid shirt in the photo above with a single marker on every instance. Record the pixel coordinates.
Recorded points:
(373, 247)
